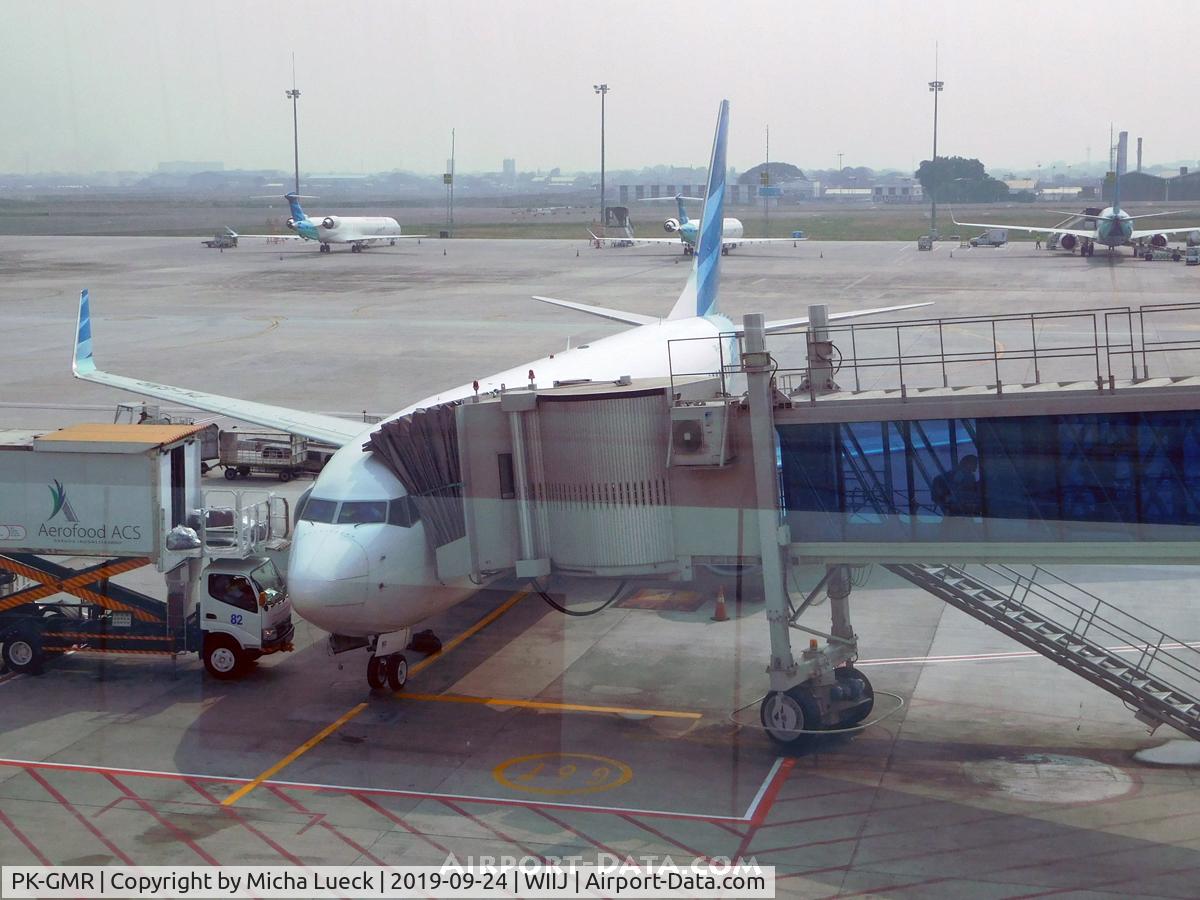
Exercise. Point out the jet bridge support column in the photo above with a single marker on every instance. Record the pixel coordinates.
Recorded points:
(822, 690)
(758, 364)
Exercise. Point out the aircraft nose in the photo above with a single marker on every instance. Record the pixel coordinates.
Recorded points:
(327, 577)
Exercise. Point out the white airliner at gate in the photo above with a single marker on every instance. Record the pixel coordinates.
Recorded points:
(964, 485)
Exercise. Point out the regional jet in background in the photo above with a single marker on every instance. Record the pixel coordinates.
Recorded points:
(360, 232)
(689, 232)
(361, 566)
(1113, 226)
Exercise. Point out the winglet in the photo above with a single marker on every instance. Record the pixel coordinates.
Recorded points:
(699, 297)
(83, 363)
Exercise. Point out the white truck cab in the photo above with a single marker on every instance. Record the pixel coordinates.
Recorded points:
(243, 612)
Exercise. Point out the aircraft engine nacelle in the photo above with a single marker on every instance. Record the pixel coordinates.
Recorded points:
(1159, 240)
(291, 223)
(1068, 241)
(671, 226)
(329, 222)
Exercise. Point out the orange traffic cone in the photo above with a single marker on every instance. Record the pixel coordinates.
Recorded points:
(720, 614)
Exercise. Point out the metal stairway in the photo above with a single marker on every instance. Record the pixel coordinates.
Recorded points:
(1156, 675)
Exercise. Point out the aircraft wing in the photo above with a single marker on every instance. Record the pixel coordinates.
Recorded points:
(601, 311)
(329, 429)
(384, 237)
(1033, 229)
(1150, 232)
(785, 324)
(272, 237)
(674, 242)
(740, 241)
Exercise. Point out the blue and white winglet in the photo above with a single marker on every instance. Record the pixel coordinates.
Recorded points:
(329, 429)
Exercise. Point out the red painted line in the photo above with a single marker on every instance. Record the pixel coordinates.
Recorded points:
(328, 826)
(670, 840)
(392, 817)
(20, 835)
(66, 804)
(838, 793)
(575, 831)
(843, 815)
(878, 834)
(179, 833)
(764, 807)
(1141, 876)
(730, 829)
(378, 792)
(773, 789)
(237, 817)
(496, 831)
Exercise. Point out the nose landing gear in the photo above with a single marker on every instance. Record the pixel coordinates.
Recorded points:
(390, 671)
(388, 665)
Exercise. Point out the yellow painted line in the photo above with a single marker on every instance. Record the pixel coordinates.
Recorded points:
(334, 726)
(474, 629)
(293, 756)
(544, 704)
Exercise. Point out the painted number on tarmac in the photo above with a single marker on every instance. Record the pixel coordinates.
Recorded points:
(562, 773)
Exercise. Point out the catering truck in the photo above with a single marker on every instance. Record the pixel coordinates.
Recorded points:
(81, 506)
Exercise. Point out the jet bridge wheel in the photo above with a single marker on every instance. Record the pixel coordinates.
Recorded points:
(789, 716)
(854, 683)
(23, 650)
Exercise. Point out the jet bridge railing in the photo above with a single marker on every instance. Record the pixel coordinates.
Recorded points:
(1153, 340)
(1101, 346)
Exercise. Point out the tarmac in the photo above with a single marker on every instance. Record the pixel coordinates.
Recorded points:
(631, 732)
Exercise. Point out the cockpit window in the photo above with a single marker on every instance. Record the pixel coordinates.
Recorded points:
(316, 510)
(362, 512)
(403, 512)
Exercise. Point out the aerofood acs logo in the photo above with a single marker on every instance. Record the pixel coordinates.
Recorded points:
(75, 531)
(61, 503)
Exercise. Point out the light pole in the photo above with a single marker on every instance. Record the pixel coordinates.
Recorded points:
(935, 87)
(602, 90)
(294, 95)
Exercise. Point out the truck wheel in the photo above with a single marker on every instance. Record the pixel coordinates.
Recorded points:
(23, 650)
(397, 671)
(223, 658)
(230, 474)
(285, 475)
(244, 471)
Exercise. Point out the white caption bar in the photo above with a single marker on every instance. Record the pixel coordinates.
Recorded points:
(385, 882)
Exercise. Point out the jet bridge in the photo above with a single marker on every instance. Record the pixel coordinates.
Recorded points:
(961, 453)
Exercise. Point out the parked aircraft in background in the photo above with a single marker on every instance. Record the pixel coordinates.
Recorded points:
(1113, 227)
(360, 232)
(361, 566)
(688, 231)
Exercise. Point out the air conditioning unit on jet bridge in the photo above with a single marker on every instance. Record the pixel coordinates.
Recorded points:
(700, 435)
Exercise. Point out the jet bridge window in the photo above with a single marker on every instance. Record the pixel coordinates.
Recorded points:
(363, 512)
(403, 512)
(317, 510)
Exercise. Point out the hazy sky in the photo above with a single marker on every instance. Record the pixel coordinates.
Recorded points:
(124, 84)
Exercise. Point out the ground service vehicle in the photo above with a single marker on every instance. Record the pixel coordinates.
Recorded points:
(128, 496)
(244, 453)
(224, 241)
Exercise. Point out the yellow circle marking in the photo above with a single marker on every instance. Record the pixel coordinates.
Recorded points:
(562, 773)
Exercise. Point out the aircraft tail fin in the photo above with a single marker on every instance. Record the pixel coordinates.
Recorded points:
(700, 294)
(683, 216)
(1122, 162)
(294, 202)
